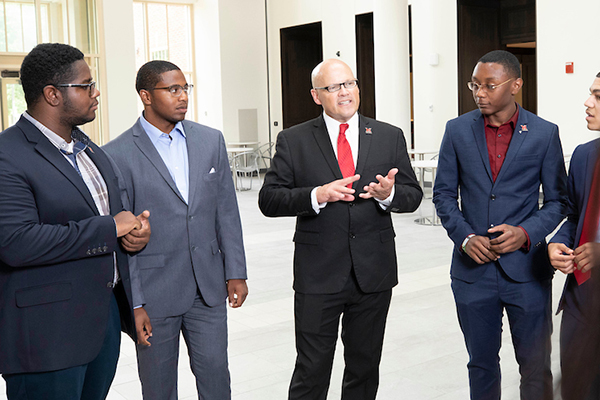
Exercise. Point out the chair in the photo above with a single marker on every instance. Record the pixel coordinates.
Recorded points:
(245, 164)
(265, 152)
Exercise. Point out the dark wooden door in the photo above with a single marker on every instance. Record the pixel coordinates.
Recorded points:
(486, 25)
(478, 33)
(301, 51)
(365, 64)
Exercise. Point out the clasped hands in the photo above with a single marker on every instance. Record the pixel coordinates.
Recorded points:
(133, 231)
(482, 249)
(565, 259)
(339, 191)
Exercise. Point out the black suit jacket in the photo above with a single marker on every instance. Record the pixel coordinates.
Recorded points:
(56, 256)
(344, 235)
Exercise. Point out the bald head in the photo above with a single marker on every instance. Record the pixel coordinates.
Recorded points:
(343, 101)
(323, 68)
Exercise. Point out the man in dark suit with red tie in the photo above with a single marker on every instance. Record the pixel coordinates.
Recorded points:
(341, 175)
(575, 250)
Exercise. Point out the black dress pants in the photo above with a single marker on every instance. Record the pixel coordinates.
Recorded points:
(317, 319)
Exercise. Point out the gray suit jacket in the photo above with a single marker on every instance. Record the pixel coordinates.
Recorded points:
(193, 246)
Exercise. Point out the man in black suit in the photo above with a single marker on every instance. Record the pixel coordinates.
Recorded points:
(345, 256)
(65, 285)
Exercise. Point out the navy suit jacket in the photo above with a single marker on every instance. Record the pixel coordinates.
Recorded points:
(581, 171)
(194, 246)
(468, 200)
(56, 256)
(344, 235)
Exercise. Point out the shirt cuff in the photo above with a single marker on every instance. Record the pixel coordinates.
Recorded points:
(313, 201)
(384, 204)
(527, 244)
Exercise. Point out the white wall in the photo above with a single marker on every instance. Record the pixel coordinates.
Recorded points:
(207, 85)
(392, 66)
(435, 88)
(567, 32)
(243, 64)
(338, 23)
(118, 95)
(232, 71)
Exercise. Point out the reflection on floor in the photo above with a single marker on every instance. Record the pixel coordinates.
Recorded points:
(424, 356)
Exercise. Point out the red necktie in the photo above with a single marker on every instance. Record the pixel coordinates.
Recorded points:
(589, 229)
(345, 154)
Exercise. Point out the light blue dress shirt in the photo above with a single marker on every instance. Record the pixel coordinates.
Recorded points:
(172, 148)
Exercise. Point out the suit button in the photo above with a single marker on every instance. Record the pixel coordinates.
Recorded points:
(191, 217)
(94, 251)
(105, 248)
(352, 236)
(351, 204)
(493, 197)
(194, 248)
(491, 225)
(88, 252)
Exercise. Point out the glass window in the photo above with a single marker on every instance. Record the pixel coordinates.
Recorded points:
(24, 24)
(163, 31)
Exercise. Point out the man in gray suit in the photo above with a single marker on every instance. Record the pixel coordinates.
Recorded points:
(179, 171)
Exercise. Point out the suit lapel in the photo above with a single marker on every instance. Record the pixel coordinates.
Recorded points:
(516, 141)
(196, 152)
(324, 143)
(143, 142)
(365, 136)
(54, 157)
(478, 128)
(588, 177)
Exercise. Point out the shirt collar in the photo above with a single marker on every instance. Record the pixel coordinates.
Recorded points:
(333, 126)
(154, 133)
(55, 139)
(512, 121)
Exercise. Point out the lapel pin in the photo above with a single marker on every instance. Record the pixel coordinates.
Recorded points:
(524, 128)
(368, 131)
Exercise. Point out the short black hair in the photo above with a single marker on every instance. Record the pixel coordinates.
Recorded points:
(149, 74)
(511, 64)
(46, 64)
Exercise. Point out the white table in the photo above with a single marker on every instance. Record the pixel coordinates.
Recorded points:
(233, 151)
(242, 144)
(419, 154)
(421, 166)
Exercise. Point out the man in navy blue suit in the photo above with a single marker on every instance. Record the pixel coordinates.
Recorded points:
(492, 162)
(64, 280)
(575, 250)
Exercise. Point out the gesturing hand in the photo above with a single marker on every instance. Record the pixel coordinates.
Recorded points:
(381, 189)
(337, 190)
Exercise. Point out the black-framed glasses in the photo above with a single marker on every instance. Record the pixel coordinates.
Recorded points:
(90, 86)
(475, 87)
(176, 90)
(336, 87)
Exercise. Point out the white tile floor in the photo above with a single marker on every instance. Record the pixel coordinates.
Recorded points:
(423, 357)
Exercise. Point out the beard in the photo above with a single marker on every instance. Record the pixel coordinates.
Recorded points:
(73, 116)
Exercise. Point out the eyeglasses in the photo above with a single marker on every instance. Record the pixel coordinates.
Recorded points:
(176, 90)
(336, 87)
(90, 86)
(486, 87)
